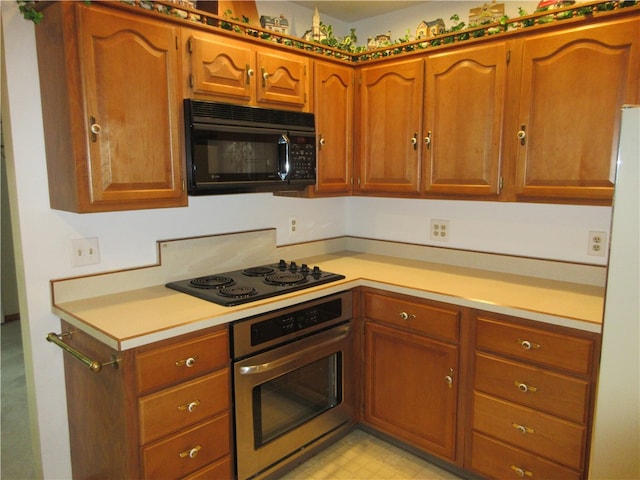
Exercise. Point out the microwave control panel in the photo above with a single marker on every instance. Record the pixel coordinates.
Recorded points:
(302, 161)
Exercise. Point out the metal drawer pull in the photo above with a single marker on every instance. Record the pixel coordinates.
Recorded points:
(527, 345)
(406, 316)
(523, 387)
(187, 362)
(192, 453)
(522, 429)
(521, 472)
(190, 407)
(522, 134)
(250, 73)
(265, 77)
(93, 365)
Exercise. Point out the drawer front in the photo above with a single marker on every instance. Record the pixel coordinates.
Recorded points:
(572, 354)
(438, 322)
(530, 430)
(189, 451)
(499, 461)
(550, 392)
(220, 470)
(181, 361)
(183, 405)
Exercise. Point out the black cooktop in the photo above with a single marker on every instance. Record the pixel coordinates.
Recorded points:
(254, 283)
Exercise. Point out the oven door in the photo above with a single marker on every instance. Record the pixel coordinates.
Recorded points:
(291, 397)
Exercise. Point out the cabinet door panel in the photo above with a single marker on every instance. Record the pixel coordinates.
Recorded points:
(130, 70)
(573, 86)
(464, 108)
(282, 78)
(221, 67)
(406, 391)
(333, 106)
(391, 99)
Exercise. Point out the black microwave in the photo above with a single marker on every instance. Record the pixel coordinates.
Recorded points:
(240, 149)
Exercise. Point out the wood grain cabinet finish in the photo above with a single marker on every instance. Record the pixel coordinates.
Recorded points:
(220, 68)
(572, 88)
(390, 121)
(532, 402)
(410, 373)
(463, 120)
(176, 427)
(111, 109)
(333, 89)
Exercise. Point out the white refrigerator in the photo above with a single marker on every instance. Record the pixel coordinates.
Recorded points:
(615, 446)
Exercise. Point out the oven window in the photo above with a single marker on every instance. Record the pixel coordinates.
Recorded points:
(282, 404)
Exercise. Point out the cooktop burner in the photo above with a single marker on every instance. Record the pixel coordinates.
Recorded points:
(254, 283)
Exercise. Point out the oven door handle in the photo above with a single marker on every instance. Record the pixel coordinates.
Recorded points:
(266, 366)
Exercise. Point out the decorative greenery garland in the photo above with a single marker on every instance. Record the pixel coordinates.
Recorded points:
(346, 48)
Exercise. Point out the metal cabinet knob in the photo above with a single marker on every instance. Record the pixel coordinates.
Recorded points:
(522, 134)
(191, 453)
(406, 316)
(187, 362)
(250, 73)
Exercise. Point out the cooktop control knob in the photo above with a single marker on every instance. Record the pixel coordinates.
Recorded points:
(316, 271)
(304, 269)
(282, 264)
(293, 266)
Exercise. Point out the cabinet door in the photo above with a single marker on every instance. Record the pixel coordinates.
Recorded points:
(129, 70)
(573, 86)
(221, 68)
(390, 121)
(464, 105)
(411, 388)
(282, 79)
(333, 101)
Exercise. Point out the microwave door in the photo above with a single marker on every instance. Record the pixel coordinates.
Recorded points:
(283, 157)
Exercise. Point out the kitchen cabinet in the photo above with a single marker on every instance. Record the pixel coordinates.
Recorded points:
(573, 85)
(390, 100)
(164, 411)
(463, 120)
(111, 109)
(411, 373)
(333, 106)
(532, 399)
(223, 69)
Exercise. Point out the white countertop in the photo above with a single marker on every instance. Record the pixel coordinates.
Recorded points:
(137, 317)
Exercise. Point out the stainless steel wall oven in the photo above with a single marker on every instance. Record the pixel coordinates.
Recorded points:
(292, 383)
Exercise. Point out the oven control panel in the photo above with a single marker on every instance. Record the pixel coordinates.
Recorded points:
(257, 333)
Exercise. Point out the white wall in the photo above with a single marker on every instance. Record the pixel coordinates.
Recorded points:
(127, 239)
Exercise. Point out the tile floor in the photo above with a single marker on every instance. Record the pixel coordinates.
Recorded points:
(362, 456)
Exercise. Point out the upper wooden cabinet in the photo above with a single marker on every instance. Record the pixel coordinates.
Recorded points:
(334, 102)
(111, 109)
(229, 70)
(390, 122)
(463, 118)
(574, 83)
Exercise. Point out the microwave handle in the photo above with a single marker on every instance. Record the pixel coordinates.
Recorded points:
(283, 156)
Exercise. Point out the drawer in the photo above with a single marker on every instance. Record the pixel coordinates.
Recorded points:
(183, 405)
(220, 470)
(534, 387)
(187, 452)
(573, 354)
(438, 321)
(500, 461)
(176, 362)
(551, 437)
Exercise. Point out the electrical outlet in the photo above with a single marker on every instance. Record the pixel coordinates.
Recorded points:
(293, 226)
(84, 251)
(597, 245)
(439, 231)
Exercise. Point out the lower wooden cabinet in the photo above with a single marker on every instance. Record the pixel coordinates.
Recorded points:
(411, 371)
(532, 399)
(164, 412)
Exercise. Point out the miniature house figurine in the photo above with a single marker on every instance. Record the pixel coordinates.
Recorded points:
(316, 33)
(488, 13)
(378, 41)
(275, 24)
(430, 29)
